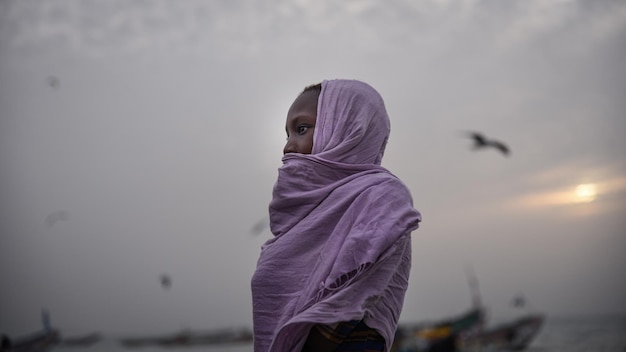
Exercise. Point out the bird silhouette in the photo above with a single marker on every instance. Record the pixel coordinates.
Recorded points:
(259, 227)
(53, 82)
(166, 281)
(54, 217)
(480, 141)
(518, 301)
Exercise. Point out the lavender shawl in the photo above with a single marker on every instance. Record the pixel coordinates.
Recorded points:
(341, 222)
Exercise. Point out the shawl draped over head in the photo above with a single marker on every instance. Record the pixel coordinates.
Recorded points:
(341, 249)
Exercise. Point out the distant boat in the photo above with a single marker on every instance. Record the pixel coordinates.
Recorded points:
(81, 341)
(37, 342)
(512, 336)
(132, 342)
(188, 338)
(40, 341)
(437, 335)
(467, 332)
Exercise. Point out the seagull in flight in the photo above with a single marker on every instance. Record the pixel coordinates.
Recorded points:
(166, 281)
(480, 141)
(53, 82)
(518, 302)
(54, 217)
(259, 227)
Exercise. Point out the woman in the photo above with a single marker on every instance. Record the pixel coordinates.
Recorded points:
(334, 275)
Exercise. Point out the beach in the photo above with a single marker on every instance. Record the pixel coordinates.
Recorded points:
(559, 334)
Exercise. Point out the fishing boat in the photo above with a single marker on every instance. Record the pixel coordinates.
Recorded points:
(515, 335)
(189, 338)
(468, 333)
(81, 341)
(39, 341)
(36, 342)
(441, 335)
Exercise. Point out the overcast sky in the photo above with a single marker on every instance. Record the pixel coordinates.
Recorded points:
(158, 127)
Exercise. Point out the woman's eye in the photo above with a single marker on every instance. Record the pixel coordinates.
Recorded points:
(302, 129)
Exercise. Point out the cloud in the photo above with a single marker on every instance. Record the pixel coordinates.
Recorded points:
(243, 27)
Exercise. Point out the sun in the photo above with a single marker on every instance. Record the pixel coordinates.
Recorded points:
(585, 192)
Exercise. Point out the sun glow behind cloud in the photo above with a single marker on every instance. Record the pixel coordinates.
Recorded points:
(574, 194)
(586, 192)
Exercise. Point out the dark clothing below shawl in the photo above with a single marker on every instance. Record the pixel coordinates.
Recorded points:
(351, 336)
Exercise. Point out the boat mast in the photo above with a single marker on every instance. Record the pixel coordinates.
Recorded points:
(473, 284)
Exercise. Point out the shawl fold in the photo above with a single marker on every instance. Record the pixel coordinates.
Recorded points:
(341, 222)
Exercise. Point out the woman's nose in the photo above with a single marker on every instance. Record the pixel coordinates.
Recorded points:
(289, 147)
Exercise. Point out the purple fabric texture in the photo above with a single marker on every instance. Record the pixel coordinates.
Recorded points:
(341, 222)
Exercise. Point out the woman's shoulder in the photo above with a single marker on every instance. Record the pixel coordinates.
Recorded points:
(389, 182)
(383, 190)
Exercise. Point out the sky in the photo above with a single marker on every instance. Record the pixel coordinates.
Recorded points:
(155, 128)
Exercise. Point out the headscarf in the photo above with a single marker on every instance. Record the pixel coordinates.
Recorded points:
(341, 223)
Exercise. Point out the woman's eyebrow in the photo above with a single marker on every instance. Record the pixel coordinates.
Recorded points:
(303, 118)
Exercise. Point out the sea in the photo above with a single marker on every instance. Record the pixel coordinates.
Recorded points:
(572, 334)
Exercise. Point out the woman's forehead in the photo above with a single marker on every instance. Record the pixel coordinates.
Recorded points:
(305, 101)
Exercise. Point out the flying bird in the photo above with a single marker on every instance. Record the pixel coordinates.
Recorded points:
(53, 82)
(166, 281)
(480, 141)
(259, 227)
(518, 302)
(54, 217)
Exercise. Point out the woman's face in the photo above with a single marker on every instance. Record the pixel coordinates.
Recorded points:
(301, 123)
